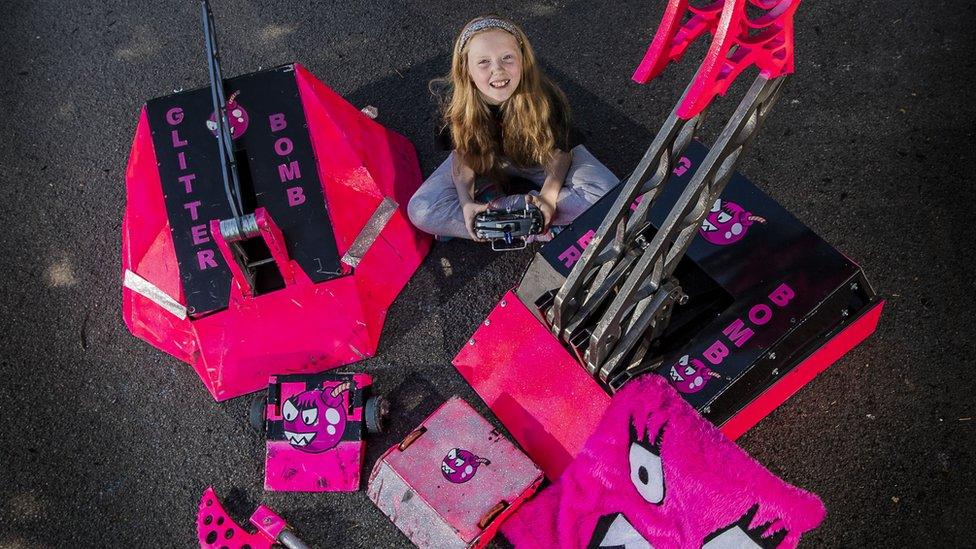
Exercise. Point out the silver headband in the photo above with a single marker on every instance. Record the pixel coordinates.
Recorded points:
(485, 24)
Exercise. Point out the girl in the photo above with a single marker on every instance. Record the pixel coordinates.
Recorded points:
(503, 118)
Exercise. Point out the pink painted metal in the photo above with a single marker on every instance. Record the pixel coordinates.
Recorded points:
(292, 462)
(215, 528)
(740, 39)
(305, 326)
(453, 480)
(533, 360)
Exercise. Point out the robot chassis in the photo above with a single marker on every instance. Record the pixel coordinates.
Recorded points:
(619, 296)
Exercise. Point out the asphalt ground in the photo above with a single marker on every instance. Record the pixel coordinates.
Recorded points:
(107, 442)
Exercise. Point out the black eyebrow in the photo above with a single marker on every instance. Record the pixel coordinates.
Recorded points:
(654, 446)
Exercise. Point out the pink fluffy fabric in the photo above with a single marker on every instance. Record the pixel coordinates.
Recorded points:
(656, 474)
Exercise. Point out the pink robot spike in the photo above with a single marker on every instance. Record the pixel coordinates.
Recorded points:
(216, 529)
(739, 41)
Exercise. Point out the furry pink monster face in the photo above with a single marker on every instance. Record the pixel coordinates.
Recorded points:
(460, 465)
(647, 476)
(314, 420)
(655, 473)
(690, 375)
(727, 223)
(236, 115)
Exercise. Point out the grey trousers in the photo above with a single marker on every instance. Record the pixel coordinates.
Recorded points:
(435, 207)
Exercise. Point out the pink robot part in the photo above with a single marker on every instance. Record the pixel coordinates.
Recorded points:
(727, 223)
(236, 115)
(215, 528)
(741, 38)
(460, 465)
(316, 428)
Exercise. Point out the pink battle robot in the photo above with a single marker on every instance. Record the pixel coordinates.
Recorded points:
(315, 426)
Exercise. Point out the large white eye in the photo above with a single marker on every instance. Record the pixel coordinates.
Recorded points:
(289, 411)
(689, 370)
(717, 205)
(452, 454)
(310, 416)
(724, 217)
(646, 473)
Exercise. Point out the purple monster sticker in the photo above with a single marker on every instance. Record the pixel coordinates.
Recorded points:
(690, 375)
(461, 465)
(236, 115)
(727, 223)
(314, 420)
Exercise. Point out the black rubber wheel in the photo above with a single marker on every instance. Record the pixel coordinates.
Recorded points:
(255, 411)
(375, 412)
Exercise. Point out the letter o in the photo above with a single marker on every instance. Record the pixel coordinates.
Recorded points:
(283, 146)
(760, 314)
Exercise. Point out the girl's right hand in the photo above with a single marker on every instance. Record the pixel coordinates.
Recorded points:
(470, 210)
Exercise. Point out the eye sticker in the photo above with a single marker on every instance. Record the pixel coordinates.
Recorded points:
(289, 411)
(724, 217)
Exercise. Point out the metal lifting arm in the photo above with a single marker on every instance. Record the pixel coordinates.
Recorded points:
(225, 144)
(620, 294)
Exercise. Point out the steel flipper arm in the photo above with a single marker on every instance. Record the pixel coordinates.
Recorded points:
(647, 179)
(683, 221)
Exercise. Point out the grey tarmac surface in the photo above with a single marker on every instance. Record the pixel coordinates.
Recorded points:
(107, 442)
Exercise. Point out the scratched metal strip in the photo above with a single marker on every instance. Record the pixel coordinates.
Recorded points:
(370, 232)
(152, 292)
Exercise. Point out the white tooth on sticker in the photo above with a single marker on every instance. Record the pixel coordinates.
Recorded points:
(622, 534)
(707, 225)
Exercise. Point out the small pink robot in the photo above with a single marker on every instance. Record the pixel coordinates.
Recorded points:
(315, 426)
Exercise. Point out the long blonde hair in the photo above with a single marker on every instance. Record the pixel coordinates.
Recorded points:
(528, 135)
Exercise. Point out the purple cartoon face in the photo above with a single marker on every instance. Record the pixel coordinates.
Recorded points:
(314, 421)
(461, 465)
(690, 375)
(727, 223)
(236, 115)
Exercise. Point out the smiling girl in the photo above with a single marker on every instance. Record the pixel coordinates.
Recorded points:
(502, 118)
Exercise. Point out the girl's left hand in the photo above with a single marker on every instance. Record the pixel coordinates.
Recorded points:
(547, 207)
